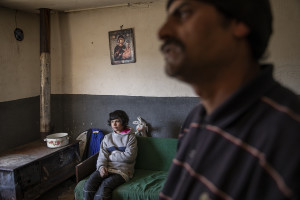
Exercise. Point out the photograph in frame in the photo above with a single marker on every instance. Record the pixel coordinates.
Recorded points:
(122, 49)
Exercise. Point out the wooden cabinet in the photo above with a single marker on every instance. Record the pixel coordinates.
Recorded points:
(29, 170)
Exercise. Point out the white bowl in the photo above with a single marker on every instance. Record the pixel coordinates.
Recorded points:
(57, 140)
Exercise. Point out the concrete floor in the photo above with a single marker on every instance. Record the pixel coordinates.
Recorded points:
(63, 191)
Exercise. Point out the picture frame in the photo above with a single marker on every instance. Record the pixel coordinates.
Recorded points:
(121, 45)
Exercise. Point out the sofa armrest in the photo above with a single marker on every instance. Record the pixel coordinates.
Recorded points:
(86, 167)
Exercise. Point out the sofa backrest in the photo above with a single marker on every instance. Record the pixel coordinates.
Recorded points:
(155, 153)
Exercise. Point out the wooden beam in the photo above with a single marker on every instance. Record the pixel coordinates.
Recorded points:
(44, 30)
(45, 63)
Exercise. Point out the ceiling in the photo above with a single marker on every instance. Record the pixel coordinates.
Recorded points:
(66, 5)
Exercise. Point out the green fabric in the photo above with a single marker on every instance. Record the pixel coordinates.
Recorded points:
(152, 163)
(155, 153)
(145, 185)
(78, 191)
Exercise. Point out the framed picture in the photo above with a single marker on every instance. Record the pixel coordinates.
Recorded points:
(122, 49)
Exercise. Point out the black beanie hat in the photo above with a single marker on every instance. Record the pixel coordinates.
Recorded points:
(256, 14)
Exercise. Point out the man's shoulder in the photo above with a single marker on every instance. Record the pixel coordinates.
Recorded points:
(195, 113)
(281, 97)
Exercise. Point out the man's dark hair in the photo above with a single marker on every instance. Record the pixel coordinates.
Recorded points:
(118, 114)
(256, 14)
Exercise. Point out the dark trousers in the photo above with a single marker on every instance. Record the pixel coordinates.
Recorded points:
(98, 188)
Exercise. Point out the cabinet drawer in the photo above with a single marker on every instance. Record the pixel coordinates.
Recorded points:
(53, 164)
(29, 175)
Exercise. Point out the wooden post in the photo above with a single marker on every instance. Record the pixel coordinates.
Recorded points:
(45, 95)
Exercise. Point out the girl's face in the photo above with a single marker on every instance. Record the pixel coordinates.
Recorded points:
(116, 125)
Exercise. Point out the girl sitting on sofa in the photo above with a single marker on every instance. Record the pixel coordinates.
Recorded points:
(116, 160)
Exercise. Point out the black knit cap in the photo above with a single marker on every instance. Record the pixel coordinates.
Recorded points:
(256, 14)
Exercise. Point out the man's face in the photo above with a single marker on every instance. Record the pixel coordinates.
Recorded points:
(196, 40)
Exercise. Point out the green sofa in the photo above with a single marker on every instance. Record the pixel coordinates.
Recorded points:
(152, 163)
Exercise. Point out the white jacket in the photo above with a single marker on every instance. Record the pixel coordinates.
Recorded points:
(118, 153)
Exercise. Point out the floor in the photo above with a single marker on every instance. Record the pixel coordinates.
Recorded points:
(63, 191)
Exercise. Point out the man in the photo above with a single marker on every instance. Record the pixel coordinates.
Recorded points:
(243, 140)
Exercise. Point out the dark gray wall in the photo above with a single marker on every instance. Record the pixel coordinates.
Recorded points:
(77, 113)
(19, 122)
(19, 119)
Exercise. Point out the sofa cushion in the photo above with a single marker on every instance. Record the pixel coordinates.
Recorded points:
(152, 163)
(145, 185)
(155, 153)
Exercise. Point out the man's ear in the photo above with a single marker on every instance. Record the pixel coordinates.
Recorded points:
(240, 29)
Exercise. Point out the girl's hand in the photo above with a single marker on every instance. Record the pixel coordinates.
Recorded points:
(103, 172)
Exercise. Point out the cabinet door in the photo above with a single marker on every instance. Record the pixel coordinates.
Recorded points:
(28, 181)
(29, 175)
(59, 166)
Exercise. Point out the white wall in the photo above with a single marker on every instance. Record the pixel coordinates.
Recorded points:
(80, 52)
(81, 61)
(285, 43)
(19, 60)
